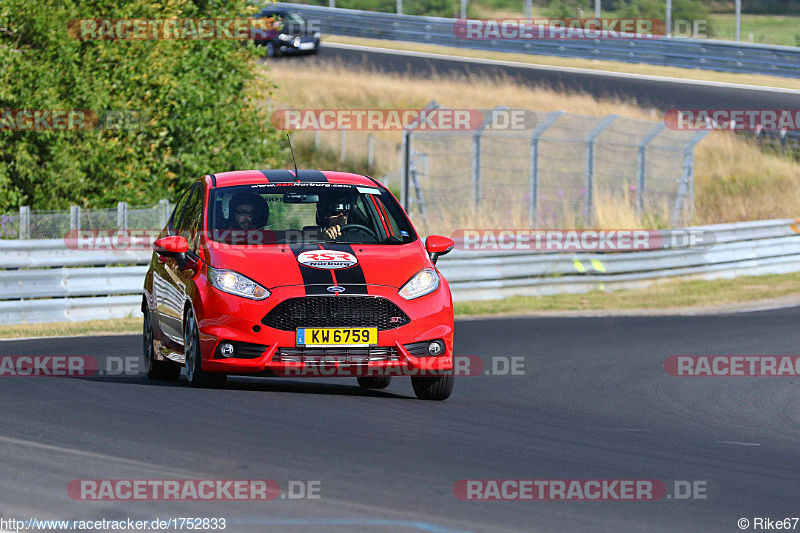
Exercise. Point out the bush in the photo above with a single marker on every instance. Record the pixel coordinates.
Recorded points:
(196, 97)
(561, 9)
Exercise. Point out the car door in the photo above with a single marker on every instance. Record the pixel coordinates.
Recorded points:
(170, 286)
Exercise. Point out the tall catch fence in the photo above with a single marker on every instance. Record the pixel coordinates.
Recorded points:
(28, 224)
(566, 170)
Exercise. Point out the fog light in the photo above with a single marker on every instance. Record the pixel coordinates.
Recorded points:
(226, 349)
(435, 347)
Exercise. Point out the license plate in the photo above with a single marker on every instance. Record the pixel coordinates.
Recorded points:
(337, 336)
(306, 46)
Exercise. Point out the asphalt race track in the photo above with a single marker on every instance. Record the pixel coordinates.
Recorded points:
(594, 403)
(647, 91)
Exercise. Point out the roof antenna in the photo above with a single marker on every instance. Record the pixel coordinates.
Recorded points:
(296, 172)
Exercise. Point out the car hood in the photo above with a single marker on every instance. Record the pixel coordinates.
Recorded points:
(284, 265)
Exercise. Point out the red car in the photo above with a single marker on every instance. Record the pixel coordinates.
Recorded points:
(297, 273)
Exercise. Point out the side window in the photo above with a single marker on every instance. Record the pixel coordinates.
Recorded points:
(178, 211)
(192, 217)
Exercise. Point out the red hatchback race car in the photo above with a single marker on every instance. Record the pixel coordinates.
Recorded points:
(297, 273)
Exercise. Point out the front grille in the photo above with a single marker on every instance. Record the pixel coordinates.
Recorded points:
(336, 355)
(336, 312)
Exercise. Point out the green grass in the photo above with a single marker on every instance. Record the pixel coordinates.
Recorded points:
(765, 29)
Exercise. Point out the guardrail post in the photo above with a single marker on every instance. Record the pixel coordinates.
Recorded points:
(74, 218)
(163, 206)
(533, 192)
(370, 151)
(343, 143)
(332, 3)
(476, 167)
(738, 10)
(686, 185)
(464, 8)
(24, 222)
(405, 197)
(122, 215)
(590, 139)
(668, 21)
(642, 165)
(420, 200)
(399, 7)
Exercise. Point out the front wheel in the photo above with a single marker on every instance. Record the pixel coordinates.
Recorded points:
(433, 388)
(191, 352)
(154, 369)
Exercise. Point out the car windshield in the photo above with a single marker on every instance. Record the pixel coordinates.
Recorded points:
(288, 21)
(295, 213)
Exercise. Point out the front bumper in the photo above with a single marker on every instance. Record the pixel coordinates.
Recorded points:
(229, 318)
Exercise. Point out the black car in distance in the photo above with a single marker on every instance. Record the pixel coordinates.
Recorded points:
(288, 33)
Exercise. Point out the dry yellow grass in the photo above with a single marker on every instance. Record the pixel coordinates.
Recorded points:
(735, 180)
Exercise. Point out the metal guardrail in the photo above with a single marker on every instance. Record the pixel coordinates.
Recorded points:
(704, 54)
(32, 290)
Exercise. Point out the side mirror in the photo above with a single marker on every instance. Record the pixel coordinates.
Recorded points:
(173, 246)
(437, 245)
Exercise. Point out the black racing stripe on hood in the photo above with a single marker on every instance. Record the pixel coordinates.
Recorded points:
(316, 280)
(311, 175)
(352, 276)
(278, 176)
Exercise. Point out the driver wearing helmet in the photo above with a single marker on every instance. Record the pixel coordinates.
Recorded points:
(332, 216)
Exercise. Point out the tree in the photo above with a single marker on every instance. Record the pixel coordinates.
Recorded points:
(196, 100)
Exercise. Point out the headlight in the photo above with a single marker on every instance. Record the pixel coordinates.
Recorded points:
(317, 35)
(424, 282)
(284, 37)
(234, 283)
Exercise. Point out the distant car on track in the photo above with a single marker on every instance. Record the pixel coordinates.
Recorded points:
(291, 34)
(297, 273)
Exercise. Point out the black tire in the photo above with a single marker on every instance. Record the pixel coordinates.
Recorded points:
(191, 351)
(155, 370)
(375, 382)
(433, 388)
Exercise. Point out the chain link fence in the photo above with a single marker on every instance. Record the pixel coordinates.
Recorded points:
(29, 224)
(566, 171)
